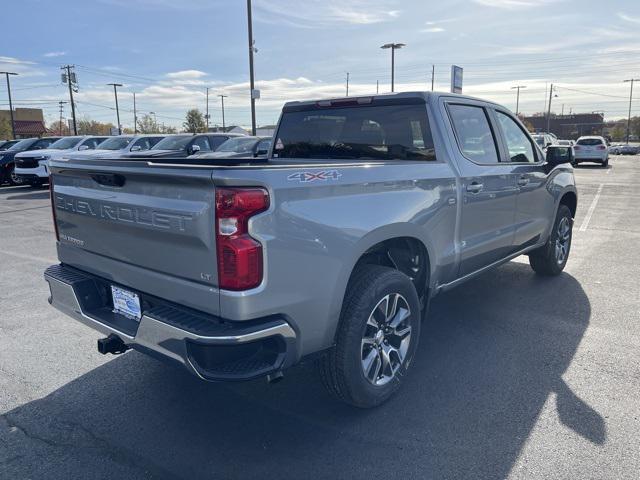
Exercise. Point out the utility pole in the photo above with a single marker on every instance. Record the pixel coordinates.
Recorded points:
(13, 123)
(377, 87)
(393, 47)
(251, 81)
(135, 115)
(549, 109)
(71, 80)
(433, 75)
(347, 84)
(517, 88)
(631, 80)
(562, 111)
(206, 115)
(115, 93)
(222, 97)
(61, 104)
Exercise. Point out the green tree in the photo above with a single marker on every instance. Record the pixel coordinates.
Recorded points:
(5, 129)
(87, 126)
(194, 122)
(147, 124)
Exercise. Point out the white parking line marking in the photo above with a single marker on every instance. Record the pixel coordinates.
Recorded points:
(592, 208)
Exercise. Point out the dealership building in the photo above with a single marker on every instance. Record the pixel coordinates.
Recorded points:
(29, 122)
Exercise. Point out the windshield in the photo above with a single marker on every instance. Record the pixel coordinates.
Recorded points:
(177, 142)
(539, 140)
(23, 144)
(384, 132)
(238, 145)
(9, 144)
(564, 142)
(115, 143)
(589, 141)
(67, 142)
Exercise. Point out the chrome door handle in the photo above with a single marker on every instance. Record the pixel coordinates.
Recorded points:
(522, 181)
(475, 187)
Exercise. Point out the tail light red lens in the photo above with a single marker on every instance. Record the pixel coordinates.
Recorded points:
(601, 147)
(53, 207)
(239, 255)
(576, 147)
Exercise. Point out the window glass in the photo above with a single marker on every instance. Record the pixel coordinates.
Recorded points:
(144, 143)
(115, 143)
(173, 142)
(474, 133)
(65, 143)
(589, 141)
(366, 132)
(203, 143)
(237, 145)
(42, 143)
(518, 143)
(264, 145)
(217, 141)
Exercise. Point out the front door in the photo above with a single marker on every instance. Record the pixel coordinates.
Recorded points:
(489, 189)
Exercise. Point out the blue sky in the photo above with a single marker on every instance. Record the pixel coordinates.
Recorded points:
(169, 50)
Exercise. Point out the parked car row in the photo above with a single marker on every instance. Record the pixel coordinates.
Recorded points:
(27, 161)
(623, 149)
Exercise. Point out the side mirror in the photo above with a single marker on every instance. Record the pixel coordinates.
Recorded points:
(557, 155)
(136, 148)
(194, 149)
(83, 147)
(261, 152)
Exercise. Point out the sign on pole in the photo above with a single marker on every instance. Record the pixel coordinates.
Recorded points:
(456, 79)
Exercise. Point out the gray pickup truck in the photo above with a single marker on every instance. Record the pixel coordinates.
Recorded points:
(330, 248)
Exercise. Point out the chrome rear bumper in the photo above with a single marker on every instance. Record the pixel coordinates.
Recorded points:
(209, 347)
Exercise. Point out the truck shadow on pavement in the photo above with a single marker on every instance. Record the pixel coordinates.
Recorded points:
(492, 356)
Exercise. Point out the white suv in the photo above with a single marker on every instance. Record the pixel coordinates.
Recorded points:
(591, 149)
(32, 167)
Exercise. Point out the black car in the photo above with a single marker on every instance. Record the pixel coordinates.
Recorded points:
(7, 165)
(239, 147)
(6, 144)
(183, 145)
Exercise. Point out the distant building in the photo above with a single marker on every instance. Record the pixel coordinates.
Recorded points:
(29, 122)
(266, 131)
(568, 126)
(229, 129)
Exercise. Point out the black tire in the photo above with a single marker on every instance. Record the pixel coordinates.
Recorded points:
(545, 260)
(342, 367)
(605, 164)
(11, 178)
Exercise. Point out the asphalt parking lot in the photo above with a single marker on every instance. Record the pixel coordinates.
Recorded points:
(517, 377)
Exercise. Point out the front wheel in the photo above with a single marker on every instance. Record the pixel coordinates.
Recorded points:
(13, 178)
(551, 258)
(376, 339)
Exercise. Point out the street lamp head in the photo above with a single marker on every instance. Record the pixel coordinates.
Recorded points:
(393, 45)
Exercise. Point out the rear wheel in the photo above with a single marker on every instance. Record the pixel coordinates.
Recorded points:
(606, 162)
(551, 258)
(377, 337)
(13, 178)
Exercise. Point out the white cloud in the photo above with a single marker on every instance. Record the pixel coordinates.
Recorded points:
(322, 13)
(514, 4)
(54, 54)
(432, 30)
(186, 74)
(629, 18)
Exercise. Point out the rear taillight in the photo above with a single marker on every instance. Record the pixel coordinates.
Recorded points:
(601, 147)
(53, 207)
(576, 147)
(239, 255)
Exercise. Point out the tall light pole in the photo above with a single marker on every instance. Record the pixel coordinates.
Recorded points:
(61, 106)
(393, 47)
(115, 93)
(252, 49)
(517, 88)
(135, 115)
(206, 115)
(631, 80)
(222, 97)
(13, 123)
(347, 84)
(551, 90)
(433, 75)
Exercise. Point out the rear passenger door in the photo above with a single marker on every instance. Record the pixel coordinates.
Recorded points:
(489, 191)
(535, 207)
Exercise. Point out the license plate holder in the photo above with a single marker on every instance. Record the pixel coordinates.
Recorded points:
(126, 303)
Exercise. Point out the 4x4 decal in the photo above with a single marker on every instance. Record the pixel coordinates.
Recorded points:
(305, 177)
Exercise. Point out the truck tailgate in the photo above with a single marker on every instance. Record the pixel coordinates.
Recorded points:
(136, 224)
